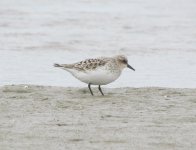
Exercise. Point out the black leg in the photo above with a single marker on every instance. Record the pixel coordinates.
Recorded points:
(89, 86)
(100, 90)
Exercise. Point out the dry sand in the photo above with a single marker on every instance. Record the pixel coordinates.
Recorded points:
(53, 118)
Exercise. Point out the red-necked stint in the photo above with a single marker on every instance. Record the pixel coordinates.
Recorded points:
(98, 71)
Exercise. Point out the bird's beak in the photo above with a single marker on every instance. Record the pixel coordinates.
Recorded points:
(130, 67)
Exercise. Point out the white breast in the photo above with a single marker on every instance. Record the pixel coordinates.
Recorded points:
(100, 76)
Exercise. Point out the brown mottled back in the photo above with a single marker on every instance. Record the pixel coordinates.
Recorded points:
(89, 64)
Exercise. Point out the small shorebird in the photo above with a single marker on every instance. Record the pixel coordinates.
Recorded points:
(98, 71)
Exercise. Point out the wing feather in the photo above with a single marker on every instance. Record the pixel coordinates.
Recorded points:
(89, 64)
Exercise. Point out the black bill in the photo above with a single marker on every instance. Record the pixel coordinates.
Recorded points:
(130, 67)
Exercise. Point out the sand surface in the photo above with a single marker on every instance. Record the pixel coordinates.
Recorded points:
(45, 117)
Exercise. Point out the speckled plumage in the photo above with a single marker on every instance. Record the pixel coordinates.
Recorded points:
(89, 64)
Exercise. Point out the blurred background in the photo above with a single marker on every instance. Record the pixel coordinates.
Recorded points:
(158, 37)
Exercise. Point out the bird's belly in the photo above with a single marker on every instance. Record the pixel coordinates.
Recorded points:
(98, 77)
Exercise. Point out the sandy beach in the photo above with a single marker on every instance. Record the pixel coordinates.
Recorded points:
(42, 107)
(45, 117)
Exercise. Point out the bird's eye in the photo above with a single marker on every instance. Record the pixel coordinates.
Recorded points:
(124, 61)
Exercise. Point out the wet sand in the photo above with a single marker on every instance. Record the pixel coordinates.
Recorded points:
(44, 117)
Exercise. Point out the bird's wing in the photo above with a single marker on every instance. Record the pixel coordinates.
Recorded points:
(90, 64)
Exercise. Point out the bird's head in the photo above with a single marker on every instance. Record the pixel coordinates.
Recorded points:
(123, 62)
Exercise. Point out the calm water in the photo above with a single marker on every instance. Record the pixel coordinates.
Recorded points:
(159, 38)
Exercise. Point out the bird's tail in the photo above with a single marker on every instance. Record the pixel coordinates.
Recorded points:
(63, 65)
(57, 65)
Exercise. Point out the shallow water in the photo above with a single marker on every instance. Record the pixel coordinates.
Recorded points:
(170, 70)
(159, 38)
